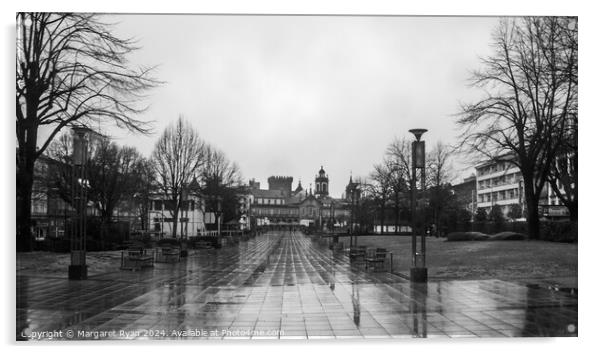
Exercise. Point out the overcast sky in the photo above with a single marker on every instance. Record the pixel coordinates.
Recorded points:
(283, 95)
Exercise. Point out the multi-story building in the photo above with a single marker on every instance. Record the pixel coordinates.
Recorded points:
(500, 182)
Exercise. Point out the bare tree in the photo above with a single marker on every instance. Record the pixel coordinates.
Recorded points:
(221, 181)
(110, 173)
(530, 97)
(178, 156)
(380, 189)
(70, 70)
(144, 174)
(438, 177)
(563, 177)
(399, 163)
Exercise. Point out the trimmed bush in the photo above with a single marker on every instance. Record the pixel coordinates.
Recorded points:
(467, 236)
(508, 236)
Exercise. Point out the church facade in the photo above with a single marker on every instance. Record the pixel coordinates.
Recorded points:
(281, 205)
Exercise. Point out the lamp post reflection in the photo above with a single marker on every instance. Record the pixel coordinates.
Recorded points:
(355, 300)
(418, 294)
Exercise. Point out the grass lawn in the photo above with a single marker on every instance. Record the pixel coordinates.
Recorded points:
(525, 261)
(56, 264)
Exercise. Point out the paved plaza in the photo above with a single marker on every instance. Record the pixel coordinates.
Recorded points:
(282, 286)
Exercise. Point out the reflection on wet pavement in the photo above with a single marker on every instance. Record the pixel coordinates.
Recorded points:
(282, 286)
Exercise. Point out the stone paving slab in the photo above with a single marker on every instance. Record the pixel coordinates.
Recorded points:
(283, 286)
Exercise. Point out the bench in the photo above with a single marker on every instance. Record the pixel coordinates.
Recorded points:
(357, 252)
(168, 255)
(203, 245)
(136, 258)
(375, 258)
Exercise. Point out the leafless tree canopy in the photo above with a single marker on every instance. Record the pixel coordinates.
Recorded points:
(70, 71)
(111, 173)
(438, 166)
(178, 156)
(530, 101)
(70, 68)
(218, 171)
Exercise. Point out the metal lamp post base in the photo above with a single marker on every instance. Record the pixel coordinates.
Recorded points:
(78, 272)
(418, 275)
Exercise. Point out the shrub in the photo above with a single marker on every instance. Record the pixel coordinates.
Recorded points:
(496, 215)
(515, 212)
(508, 236)
(481, 215)
(467, 236)
(558, 231)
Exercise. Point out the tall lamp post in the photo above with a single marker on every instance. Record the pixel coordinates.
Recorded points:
(78, 270)
(354, 204)
(418, 272)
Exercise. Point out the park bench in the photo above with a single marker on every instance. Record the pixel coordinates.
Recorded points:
(356, 253)
(204, 244)
(168, 255)
(375, 258)
(136, 258)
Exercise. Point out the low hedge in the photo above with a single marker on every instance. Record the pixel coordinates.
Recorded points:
(558, 231)
(549, 230)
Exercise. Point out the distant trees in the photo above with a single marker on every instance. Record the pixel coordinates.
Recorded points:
(496, 215)
(70, 70)
(145, 187)
(481, 215)
(220, 183)
(110, 173)
(439, 177)
(515, 212)
(390, 183)
(178, 156)
(380, 188)
(529, 108)
(399, 162)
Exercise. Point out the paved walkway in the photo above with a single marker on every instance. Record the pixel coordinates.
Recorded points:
(282, 286)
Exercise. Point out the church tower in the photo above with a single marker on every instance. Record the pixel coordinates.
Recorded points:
(321, 183)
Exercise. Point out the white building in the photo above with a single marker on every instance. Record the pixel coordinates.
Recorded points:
(499, 183)
(191, 217)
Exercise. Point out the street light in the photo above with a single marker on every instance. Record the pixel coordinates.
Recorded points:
(78, 270)
(418, 272)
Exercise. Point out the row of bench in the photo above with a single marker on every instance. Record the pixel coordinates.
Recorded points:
(371, 257)
(136, 258)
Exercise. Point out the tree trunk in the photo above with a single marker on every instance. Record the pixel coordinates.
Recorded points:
(532, 209)
(396, 213)
(24, 193)
(573, 211)
(174, 230)
(382, 219)
(25, 178)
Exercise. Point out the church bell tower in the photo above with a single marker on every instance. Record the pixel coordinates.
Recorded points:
(321, 183)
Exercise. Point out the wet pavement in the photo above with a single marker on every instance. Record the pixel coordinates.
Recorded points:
(282, 286)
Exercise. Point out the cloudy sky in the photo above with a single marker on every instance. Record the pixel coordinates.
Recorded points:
(283, 95)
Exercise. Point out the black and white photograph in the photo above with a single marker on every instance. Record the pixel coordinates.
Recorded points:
(260, 176)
